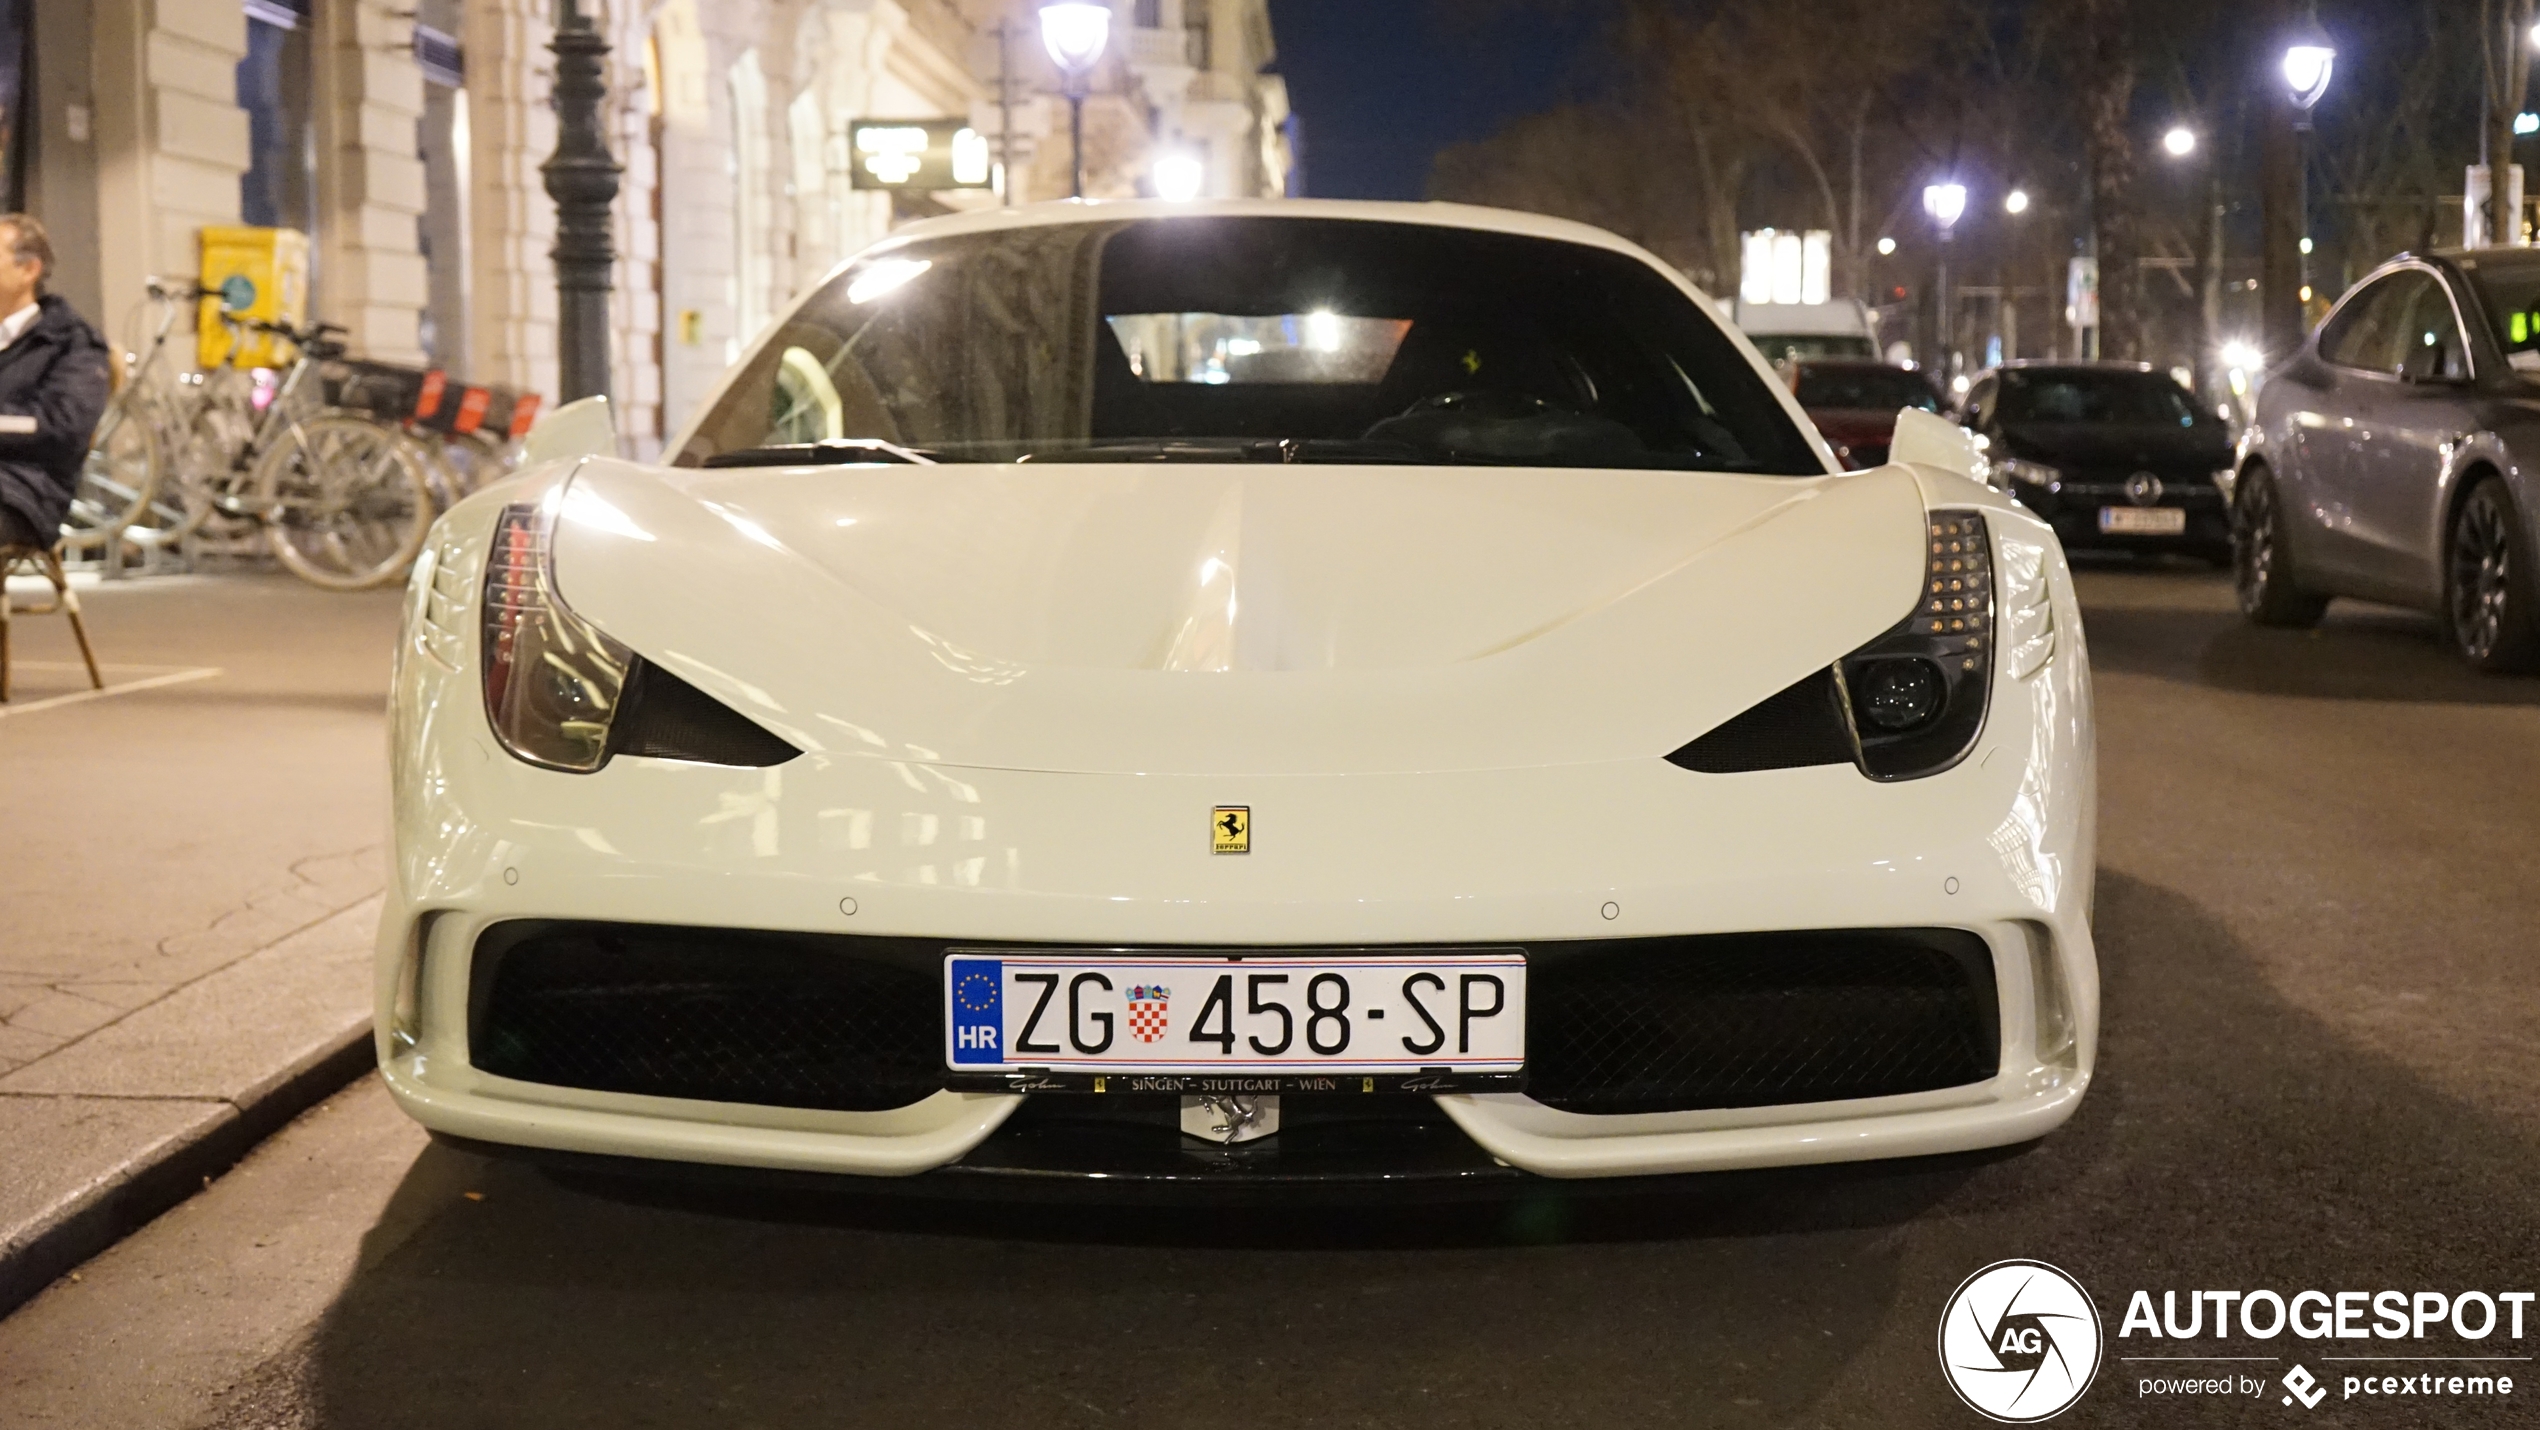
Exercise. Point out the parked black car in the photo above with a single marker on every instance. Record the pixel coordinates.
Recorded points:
(2115, 455)
(2392, 456)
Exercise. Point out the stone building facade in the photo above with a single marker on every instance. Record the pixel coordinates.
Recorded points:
(405, 136)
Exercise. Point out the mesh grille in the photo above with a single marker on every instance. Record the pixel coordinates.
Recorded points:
(1802, 725)
(667, 717)
(779, 1020)
(1756, 1020)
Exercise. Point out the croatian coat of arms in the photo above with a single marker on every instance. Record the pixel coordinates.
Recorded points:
(1146, 1010)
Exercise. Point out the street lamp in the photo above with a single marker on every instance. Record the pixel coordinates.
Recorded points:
(2179, 142)
(1178, 176)
(1074, 32)
(581, 177)
(2015, 202)
(2307, 67)
(1946, 203)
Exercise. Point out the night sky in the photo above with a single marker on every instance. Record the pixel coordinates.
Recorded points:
(1382, 85)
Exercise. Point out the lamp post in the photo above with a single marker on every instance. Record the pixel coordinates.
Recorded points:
(1946, 203)
(582, 179)
(1074, 32)
(2308, 65)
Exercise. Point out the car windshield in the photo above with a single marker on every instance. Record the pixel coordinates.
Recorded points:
(2510, 291)
(1256, 339)
(1881, 389)
(2116, 398)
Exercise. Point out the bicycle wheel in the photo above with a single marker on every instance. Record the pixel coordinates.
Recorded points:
(345, 504)
(118, 483)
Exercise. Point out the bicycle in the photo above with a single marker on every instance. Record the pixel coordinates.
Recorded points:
(342, 500)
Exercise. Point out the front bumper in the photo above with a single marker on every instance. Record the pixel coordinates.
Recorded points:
(1555, 854)
(2073, 510)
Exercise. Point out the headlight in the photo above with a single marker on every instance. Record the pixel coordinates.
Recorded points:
(560, 693)
(552, 680)
(1906, 705)
(1915, 697)
(2028, 473)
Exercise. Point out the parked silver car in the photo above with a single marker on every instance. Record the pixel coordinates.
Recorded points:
(2392, 457)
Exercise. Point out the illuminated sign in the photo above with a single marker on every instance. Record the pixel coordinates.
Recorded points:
(919, 154)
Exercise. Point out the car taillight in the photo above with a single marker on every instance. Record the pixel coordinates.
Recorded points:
(552, 680)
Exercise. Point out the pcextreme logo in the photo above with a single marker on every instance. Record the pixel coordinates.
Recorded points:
(2019, 1342)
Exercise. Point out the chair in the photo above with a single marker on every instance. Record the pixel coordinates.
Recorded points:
(47, 563)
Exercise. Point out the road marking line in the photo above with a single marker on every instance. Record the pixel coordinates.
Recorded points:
(205, 672)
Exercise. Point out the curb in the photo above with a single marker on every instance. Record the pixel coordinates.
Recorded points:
(127, 1198)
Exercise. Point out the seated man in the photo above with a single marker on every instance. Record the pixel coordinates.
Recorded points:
(53, 387)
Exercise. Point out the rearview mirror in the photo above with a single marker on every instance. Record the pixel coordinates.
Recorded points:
(584, 428)
(1927, 439)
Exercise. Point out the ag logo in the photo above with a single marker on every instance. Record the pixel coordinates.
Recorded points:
(2019, 1341)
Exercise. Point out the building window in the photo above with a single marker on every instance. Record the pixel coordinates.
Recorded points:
(15, 151)
(279, 189)
(1195, 32)
(1150, 14)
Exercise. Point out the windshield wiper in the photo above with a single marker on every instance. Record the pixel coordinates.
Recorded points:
(1230, 449)
(829, 452)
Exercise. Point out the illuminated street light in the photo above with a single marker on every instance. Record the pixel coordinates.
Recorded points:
(1946, 203)
(2015, 202)
(1179, 176)
(1074, 32)
(2180, 142)
(2307, 69)
(1886, 247)
(2527, 123)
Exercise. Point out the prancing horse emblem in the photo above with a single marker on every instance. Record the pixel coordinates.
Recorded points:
(1230, 829)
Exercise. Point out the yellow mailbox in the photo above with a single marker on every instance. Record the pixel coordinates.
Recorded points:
(259, 273)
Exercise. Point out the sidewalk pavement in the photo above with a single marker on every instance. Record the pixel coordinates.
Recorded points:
(190, 875)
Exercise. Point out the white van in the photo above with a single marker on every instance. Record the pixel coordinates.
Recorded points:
(1844, 328)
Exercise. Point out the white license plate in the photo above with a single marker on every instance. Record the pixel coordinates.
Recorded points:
(1149, 1013)
(2142, 520)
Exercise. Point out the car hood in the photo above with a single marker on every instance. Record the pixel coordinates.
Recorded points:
(1205, 619)
(2091, 445)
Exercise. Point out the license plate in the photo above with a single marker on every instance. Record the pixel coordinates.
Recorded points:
(1448, 1012)
(2142, 520)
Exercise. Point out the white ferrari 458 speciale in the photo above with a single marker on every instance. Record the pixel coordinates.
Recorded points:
(1240, 695)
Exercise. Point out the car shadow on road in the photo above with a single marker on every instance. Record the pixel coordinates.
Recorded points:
(2357, 652)
(2233, 1140)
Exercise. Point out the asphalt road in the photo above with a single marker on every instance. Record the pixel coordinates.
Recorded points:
(2317, 1071)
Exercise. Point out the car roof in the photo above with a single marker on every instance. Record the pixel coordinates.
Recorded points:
(1435, 215)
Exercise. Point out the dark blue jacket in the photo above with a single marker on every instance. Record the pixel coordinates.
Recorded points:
(55, 373)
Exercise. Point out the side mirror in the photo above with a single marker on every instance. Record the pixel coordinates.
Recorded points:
(1927, 439)
(583, 428)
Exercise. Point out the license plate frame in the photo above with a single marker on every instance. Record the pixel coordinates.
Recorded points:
(2142, 521)
(1093, 1046)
